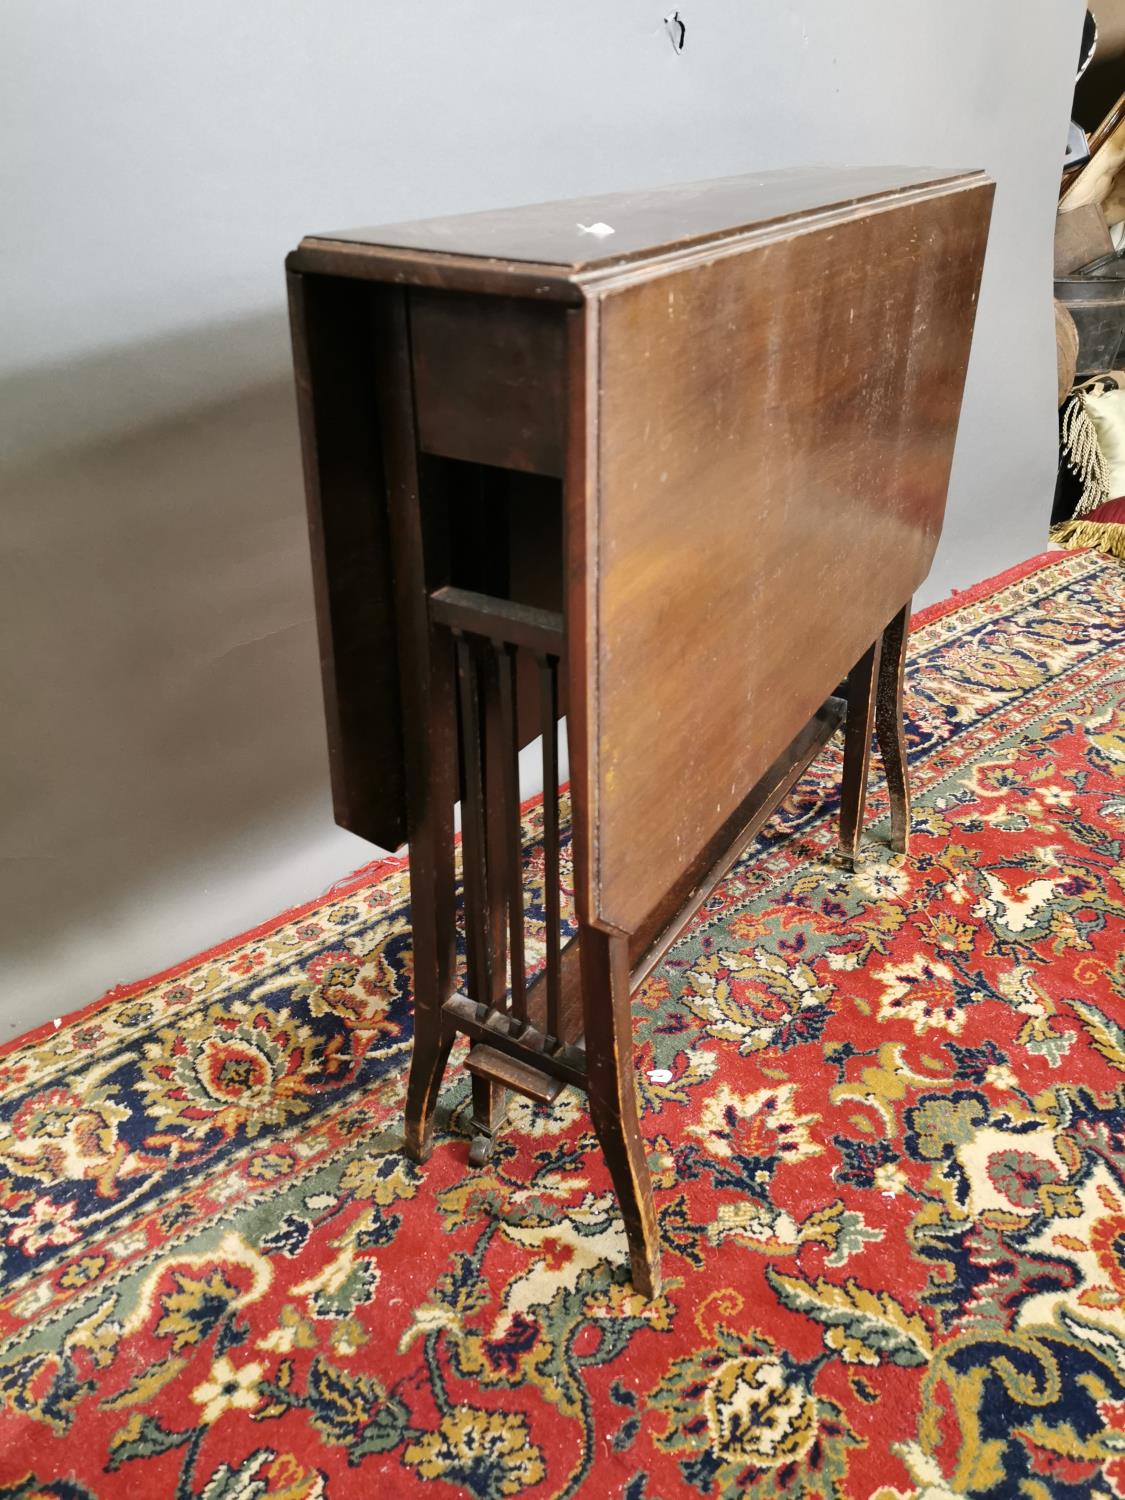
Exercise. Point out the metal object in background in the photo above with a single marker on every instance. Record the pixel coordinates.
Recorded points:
(1095, 298)
(1077, 148)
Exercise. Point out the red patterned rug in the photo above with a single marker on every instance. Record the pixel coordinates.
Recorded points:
(886, 1117)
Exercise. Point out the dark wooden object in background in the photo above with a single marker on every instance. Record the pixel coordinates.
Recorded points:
(676, 481)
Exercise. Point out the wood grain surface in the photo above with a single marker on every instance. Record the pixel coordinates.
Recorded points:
(644, 222)
(332, 322)
(775, 434)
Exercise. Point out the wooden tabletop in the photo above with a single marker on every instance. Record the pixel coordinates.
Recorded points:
(644, 222)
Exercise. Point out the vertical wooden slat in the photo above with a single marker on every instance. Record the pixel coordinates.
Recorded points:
(507, 657)
(474, 871)
(549, 719)
(494, 755)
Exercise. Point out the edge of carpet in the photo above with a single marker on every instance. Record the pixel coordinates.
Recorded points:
(354, 882)
(958, 598)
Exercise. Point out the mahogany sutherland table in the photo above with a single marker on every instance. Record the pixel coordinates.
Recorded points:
(671, 463)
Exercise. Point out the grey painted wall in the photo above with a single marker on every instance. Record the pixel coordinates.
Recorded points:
(162, 770)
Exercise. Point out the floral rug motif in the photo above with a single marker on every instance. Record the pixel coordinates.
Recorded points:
(885, 1116)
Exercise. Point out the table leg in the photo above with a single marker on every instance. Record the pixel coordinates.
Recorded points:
(490, 1113)
(889, 729)
(428, 1058)
(612, 1094)
(862, 684)
(429, 728)
(432, 906)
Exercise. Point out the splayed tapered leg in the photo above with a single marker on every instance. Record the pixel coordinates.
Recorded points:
(432, 915)
(862, 685)
(427, 1066)
(613, 1099)
(889, 727)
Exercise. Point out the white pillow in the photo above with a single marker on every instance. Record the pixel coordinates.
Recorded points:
(1107, 412)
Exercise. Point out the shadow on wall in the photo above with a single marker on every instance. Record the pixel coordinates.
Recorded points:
(161, 691)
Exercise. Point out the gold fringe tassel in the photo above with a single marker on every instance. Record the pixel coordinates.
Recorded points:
(1103, 536)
